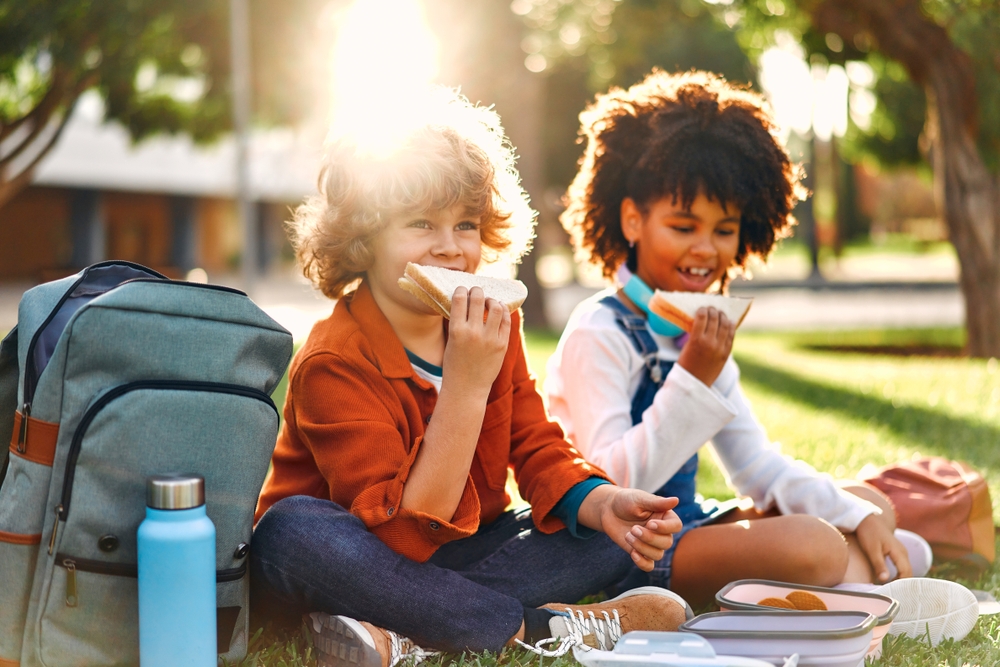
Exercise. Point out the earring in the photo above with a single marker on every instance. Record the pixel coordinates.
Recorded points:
(631, 244)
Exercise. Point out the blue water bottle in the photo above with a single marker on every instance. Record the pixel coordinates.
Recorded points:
(176, 545)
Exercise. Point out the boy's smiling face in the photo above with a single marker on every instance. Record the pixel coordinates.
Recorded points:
(447, 238)
(682, 249)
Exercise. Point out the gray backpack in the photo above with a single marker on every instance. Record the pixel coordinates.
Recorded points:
(113, 375)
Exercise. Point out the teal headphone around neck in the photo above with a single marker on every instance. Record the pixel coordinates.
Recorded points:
(640, 294)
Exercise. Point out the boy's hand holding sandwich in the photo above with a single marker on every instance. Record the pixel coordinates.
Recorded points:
(478, 333)
(478, 309)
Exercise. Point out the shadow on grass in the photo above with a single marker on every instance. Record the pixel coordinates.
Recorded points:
(937, 433)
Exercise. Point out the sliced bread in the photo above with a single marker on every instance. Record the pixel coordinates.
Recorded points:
(434, 286)
(680, 307)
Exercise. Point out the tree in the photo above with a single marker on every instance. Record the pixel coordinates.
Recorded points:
(159, 66)
(938, 66)
(938, 59)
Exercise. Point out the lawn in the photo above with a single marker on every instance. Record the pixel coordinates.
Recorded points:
(839, 411)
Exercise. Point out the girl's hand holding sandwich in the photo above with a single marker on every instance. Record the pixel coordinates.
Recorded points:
(709, 345)
(640, 523)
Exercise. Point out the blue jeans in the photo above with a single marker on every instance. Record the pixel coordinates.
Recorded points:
(312, 555)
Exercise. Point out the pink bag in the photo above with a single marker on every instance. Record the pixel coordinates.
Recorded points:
(945, 502)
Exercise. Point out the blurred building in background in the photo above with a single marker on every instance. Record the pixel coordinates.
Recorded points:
(166, 202)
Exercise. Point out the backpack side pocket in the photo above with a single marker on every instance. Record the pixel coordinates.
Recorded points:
(22, 512)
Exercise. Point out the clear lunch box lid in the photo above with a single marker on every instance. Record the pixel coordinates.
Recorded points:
(778, 625)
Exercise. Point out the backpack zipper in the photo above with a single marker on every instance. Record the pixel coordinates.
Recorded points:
(188, 283)
(70, 566)
(74, 565)
(62, 510)
(30, 372)
(55, 529)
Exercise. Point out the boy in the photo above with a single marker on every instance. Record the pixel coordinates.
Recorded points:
(384, 512)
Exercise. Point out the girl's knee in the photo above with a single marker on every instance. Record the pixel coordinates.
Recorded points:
(822, 557)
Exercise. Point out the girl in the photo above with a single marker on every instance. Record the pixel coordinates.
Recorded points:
(682, 181)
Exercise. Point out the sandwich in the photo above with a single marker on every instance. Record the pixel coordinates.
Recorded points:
(680, 307)
(434, 286)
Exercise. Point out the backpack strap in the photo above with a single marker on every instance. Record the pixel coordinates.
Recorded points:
(9, 375)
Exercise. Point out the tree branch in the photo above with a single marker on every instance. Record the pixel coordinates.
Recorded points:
(10, 188)
(905, 34)
(41, 111)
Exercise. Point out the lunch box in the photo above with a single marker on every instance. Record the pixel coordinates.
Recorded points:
(820, 638)
(746, 594)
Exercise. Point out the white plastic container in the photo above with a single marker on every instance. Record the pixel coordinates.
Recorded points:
(820, 638)
(662, 649)
(745, 595)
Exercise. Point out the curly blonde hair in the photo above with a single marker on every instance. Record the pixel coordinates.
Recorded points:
(432, 154)
(678, 135)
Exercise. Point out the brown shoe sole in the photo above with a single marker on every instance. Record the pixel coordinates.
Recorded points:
(337, 645)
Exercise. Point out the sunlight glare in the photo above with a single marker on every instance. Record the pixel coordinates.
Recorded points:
(804, 97)
(384, 58)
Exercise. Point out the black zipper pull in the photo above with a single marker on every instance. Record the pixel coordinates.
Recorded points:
(71, 596)
(22, 437)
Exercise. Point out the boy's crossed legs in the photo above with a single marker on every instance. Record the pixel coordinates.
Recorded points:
(473, 594)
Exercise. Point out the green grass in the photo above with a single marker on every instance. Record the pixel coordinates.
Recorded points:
(838, 411)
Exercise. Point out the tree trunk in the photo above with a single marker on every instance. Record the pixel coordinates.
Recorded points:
(968, 194)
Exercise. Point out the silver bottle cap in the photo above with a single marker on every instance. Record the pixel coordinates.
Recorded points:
(175, 492)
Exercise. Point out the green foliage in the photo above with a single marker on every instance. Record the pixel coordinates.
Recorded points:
(159, 65)
(893, 138)
(674, 36)
(616, 44)
(976, 30)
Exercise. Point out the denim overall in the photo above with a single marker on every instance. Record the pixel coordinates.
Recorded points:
(682, 484)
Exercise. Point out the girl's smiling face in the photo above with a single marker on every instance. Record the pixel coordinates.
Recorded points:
(682, 249)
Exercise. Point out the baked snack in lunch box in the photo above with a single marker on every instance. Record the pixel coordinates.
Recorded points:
(799, 600)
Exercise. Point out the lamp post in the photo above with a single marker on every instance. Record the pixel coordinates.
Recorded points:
(239, 31)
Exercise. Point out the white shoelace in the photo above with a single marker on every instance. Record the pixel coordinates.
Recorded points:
(402, 648)
(606, 632)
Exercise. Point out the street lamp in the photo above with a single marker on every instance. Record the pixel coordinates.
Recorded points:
(239, 31)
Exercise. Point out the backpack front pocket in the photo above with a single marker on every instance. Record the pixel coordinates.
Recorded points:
(91, 616)
(89, 607)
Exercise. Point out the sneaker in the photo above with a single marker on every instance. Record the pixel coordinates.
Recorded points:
(344, 642)
(602, 624)
(934, 608)
(917, 549)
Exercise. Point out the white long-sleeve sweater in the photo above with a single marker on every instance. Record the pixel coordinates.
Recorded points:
(591, 379)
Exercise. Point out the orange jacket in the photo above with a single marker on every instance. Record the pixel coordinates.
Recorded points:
(355, 414)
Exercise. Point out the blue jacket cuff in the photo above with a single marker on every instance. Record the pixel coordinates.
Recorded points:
(568, 506)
